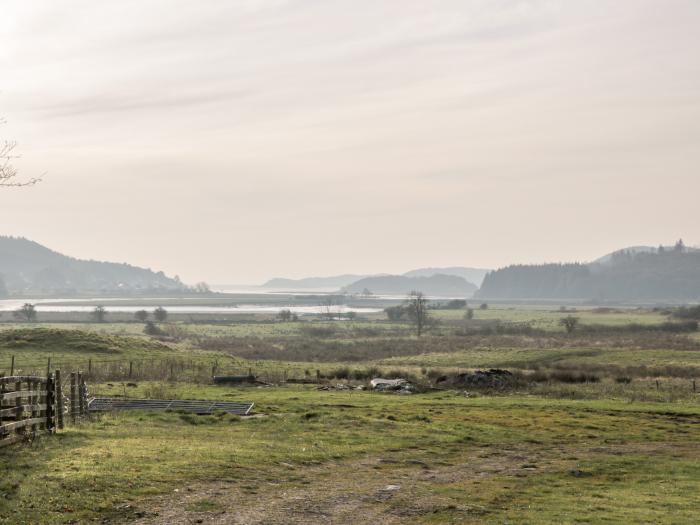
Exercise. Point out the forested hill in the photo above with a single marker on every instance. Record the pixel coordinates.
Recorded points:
(28, 267)
(664, 275)
(439, 285)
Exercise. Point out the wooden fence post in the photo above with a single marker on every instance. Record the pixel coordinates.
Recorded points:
(81, 403)
(2, 391)
(18, 402)
(59, 400)
(73, 400)
(33, 401)
(84, 397)
(50, 404)
(12, 367)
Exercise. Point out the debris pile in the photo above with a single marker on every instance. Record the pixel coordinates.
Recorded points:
(399, 386)
(492, 378)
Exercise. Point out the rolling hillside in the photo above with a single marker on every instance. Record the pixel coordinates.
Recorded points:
(28, 267)
(473, 275)
(436, 285)
(334, 282)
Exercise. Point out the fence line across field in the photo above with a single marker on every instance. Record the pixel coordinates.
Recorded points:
(178, 368)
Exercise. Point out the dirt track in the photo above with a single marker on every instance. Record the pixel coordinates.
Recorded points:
(375, 490)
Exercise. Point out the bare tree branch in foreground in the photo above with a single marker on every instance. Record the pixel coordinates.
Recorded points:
(8, 173)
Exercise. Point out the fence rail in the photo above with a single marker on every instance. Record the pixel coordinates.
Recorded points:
(27, 407)
(30, 405)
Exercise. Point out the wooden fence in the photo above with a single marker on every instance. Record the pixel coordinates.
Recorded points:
(31, 404)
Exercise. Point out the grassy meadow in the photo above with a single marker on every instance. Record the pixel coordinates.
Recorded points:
(360, 457)
(601, 425)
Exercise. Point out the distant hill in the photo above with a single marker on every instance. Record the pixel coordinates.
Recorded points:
(334, 282)
(473, 275)
(440, 285)
(605, 259)
(667, 275)
(27, 267)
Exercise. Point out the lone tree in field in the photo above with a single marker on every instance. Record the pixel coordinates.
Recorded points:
(328, 306)
(285, 315)
(99, 314)
(160, 314)
(569, 323)
(8, 173)
(141, 315)
(417, 311)
(26, 313)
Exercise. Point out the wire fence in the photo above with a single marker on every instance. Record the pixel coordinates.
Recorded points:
(193, 370)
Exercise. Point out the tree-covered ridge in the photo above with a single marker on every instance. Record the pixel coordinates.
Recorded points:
(663, 275)
(28, 267)
(440, 285)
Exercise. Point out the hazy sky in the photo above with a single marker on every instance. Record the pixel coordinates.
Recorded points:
(232, 141)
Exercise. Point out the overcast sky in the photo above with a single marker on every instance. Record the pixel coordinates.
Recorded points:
(233, 141)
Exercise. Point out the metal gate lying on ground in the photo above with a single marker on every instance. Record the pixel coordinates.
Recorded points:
(106, 404)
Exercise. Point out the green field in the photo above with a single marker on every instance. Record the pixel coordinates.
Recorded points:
(618, 446)
(547, 318)
(362, 457)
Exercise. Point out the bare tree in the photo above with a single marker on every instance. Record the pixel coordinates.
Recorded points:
(8, 172)
(202, 288)
(285, 315)
(26, 313)
(160, 314)
(99, 314)
(569, 323)
(417, 310)
(328, 307)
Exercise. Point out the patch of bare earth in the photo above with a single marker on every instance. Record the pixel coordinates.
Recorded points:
(372, 490)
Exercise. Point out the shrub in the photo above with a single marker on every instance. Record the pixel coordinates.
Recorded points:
(152, 329)
(340, 373)
(454, 304)
(318, 331)
(396, 313)
(687, 312)
(574, 377)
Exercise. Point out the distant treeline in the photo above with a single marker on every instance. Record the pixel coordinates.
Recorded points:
(662, 276)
